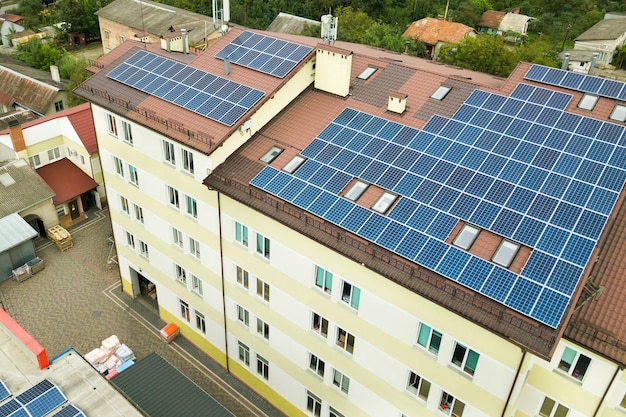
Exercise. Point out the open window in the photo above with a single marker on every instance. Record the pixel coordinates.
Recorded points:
(505, 253)
(466, 237)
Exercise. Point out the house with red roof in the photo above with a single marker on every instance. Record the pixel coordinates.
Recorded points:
(435, 32)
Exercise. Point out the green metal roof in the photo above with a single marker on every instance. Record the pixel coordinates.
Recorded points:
(158, 389)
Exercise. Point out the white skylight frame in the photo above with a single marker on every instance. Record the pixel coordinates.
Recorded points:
(466, 236)
(588, 101)
(356, 190)
(385, 201)
(272, 154)
(441, 92)
(618, 113)
(294, 164)
(505, 253)
(367, 72)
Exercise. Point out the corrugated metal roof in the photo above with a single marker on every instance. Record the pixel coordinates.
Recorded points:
(160, 390)
(29, 189)
(288, 23)
(13, 231)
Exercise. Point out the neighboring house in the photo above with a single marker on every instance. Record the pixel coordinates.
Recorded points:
(577, 60)
(354, 235)
(435, 32)
(62, 148)
(288, 23)
(25, 88)
(10, 24)
(15, 39)
(21, 116)
(499, 23)
(148, 22)
(605, 37)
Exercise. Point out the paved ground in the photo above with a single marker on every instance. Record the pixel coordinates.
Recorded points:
(77, 301)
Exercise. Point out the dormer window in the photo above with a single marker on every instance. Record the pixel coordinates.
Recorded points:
(271, 154)
(588, 102)
(367, 72)
(294, 164)
(505, 253)
(356, 190)
(384, 202)
(618, 113)
(441, 92)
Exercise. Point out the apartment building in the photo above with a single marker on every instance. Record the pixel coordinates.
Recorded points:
(352, 232)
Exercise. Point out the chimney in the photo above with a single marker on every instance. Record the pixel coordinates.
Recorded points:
(183, 32)
(17, 137)
(565, 63)
(396, 102)
(54, 70)
(593, 63)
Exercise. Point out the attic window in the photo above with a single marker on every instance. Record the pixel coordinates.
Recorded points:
(588, 102)
(271, 154)
(356, 190)
(384, 202)
(466, 237)
(618, 113)
(367, 72)
(505, 253)
(441, 92)
(294, 164)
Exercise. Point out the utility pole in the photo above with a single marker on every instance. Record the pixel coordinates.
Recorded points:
(445, 15)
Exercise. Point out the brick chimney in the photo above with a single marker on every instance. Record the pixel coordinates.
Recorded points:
(17, 137)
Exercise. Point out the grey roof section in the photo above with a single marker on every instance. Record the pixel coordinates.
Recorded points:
(13, 231)
(578, 55)
(157, 18)
(375, 91)
(21, 188)
(288, 23)
(607, 29)
(160, 390)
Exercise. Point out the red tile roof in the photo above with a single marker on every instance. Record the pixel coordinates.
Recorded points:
(66, 180)
(491, 19)
(431, 31)
(13, 18)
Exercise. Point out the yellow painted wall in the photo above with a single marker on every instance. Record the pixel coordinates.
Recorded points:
(332, 72)
(563, 390)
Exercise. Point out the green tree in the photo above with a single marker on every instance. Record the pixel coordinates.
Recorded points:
(483, 53)
(385, 36)
(352, 24)
(38, 54)
(79, 16)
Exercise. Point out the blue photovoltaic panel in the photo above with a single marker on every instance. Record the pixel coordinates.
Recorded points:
(264, 53)
(4, 391)
(42, 398)
(513, 168)
(208, 95)
(69, 411)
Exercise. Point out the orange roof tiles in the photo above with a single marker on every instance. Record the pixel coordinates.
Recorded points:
(431, 31)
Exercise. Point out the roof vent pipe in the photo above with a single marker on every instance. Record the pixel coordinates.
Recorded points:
(565, 63)
(183, 32)
(227, 65)
(593, 63)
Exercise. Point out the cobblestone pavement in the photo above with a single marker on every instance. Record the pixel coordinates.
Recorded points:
(77, 301)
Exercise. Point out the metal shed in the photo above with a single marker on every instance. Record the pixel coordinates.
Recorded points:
(16, 244)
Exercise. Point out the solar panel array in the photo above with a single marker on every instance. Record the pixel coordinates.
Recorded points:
(4, 391)
(264, 53)
(69, 411)
(518, 166)
(37, 401)
(577, 81)
(203, 93)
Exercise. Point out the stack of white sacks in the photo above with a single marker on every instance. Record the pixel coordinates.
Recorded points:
(110, 355)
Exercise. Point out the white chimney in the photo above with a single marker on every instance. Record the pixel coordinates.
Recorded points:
(396, 102)
(54, 70)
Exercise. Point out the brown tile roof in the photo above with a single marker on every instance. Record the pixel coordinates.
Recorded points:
(27, 191)
(66, 180)
(13, 18)
(431, 31)
(491, 19)
(27, 91)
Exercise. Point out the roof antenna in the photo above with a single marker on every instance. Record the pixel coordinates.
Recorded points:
(329, 28)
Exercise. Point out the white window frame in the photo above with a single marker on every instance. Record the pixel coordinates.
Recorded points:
(341, 381)
(356, 190)
(384, 202)
(345, 340)
(618, 113)
(367, 73)
(441, 92)
(241, 233)
(244, 353)
(350, 294)
(506, 253)
(34, 161)
(465, 354)
(262, 328)
(466, 236)
(263, 289)
(334, 413)
(111, 124)
(138, 213)
(187, 157)
(452, 405)
(194, 247)
(127, 132)
(294, 164)
(133, 175)
(317, 365)
(119, 166)
(54, 154)
(556, 409)
(185, 312)
(200, 322)
(124, 205)
(313, 404)
(173, 197)
(578, 361)
(169, 154)
(319, 324)
(588, 101)
(418, 386)
(323, 279)
(130, 239)
(180, 274)
(196, 285)
(242, 276)
(243, 315)
(143, 249)
(192, 206)
(263, 245)
(429, 346)
(262, 367)
(177, 237)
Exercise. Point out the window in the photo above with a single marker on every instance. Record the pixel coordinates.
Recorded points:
(351, 295)
(194, 247)
(263, 289)
(323, 279)
(242, 277)
(244, 354)
(196, 284)
(449, 403)
(124, 205)
(111, 124)
(319, 324)
(60, 211)
(618, 113)
(551, 408)
(465, 358)
(271, 154)
(184, 310)
(441, 92)
(243, 315)
(262, 366)
(138, 213)
(623, 403)
(316, 365)
(133, 174)
(58, 106)
(418, 386)
(588, 102)
(334, 413)
(130, 240)
(384, 202)
(466, 237)
(294, 164)
(429, 338)
(128, 134)
(181, 274)
(143, 249)
(106, 34)
(263, 328)
(168, 152)
(366, 73)
(119, 166)
(241, 233)
(172, 194)
(177, 237)
(200, 323)
(345, 340)
(262, 245)
(341, 381)
(35, 161)
(187, 160)
(313, 404)
(54, 153)
(505, 253)
(355, 191)
(581, 363)
(192, 207)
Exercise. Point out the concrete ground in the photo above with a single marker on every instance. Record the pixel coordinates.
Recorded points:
(77, 301)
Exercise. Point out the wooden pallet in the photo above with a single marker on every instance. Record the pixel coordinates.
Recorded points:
(60, 237)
